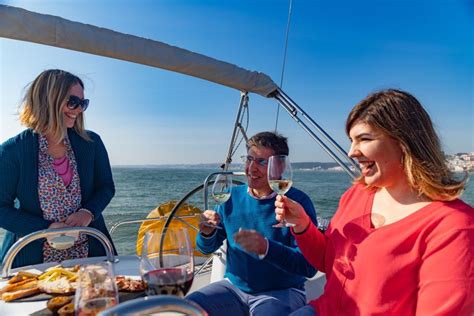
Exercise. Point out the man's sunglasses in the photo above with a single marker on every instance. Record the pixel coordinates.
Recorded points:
(75, 101)
(262, 162)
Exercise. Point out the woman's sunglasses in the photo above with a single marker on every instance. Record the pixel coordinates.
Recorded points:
(75, 101)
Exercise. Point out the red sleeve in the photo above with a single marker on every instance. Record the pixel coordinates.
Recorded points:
(312, 244)
(446, 285)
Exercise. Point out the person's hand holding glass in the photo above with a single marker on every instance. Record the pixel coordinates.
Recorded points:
(280, 177)
(169, 270)
(221, 191)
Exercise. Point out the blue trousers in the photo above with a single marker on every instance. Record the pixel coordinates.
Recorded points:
(222, 298)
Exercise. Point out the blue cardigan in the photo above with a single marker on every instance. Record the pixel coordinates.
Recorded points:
(19, 181)
(283, 267)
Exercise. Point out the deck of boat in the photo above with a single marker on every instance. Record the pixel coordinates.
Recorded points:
(129, 266)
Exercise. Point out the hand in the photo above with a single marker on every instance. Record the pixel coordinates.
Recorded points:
(79, 218)
(209, 218)
(251, 241)
(57, 225)
(292, 211)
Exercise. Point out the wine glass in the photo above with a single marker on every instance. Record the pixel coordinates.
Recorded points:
(221, 188)
(169, 270)
(280, 180)
(96, 289)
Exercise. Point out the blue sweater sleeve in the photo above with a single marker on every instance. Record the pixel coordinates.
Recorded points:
(290, 259)
(209, 244)
(104, 188)
(13, 219)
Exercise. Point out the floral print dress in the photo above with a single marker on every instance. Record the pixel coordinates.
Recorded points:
(58, 201)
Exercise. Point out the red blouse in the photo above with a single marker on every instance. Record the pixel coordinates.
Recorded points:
(422, 264)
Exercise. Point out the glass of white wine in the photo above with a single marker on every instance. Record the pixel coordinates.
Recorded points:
(280, 179)
(221, 188)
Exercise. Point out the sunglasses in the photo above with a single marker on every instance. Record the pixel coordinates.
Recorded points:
(75, 101)
(262, 162)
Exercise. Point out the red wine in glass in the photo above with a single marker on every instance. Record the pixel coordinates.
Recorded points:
(169, 270)
(169, 281)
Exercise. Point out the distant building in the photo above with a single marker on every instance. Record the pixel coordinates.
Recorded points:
(461, 162)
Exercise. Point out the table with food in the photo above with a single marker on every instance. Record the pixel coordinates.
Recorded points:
(47, 289)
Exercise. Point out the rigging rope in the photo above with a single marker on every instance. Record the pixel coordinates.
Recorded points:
(284, 59)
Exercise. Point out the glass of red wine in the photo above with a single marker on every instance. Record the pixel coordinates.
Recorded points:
(168, 268)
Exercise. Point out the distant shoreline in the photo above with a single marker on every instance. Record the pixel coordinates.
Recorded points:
(299, 166)
(310, 166)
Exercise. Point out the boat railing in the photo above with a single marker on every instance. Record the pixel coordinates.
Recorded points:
(204, 267)
(181, 218)
(156, 304)
(55, 233)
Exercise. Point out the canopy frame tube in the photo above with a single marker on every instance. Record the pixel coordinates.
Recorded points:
(292, 108)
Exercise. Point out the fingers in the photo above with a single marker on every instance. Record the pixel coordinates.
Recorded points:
(78, 219)
(280, 208)
(208, 220)
(210, 217)
(250, 241)
(58, 225)
(281, 201)
(71, 220)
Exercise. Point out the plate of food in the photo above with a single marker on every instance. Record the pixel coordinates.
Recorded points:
(127, 283)
(25, 285)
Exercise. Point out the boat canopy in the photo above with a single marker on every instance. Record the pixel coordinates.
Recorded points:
(24, 25)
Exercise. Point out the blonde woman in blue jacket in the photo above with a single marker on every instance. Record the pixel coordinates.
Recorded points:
(55, 173)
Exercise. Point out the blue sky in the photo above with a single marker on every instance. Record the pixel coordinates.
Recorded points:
(338, 52)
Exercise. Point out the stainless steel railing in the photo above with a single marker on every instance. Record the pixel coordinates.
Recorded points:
(22, 242)
(156, 304)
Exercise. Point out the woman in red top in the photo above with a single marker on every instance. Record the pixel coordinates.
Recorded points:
(401, 242)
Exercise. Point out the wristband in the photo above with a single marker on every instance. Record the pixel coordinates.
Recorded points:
(304, 230)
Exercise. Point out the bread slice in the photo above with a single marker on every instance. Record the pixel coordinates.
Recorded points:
(11, 296)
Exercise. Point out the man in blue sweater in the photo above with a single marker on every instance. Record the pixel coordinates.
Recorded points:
(265, 270)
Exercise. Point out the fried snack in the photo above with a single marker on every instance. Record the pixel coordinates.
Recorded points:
(22, 276)
(23, 285)
(55, 303)
(66, 310)
(57, 272)
(10, 296)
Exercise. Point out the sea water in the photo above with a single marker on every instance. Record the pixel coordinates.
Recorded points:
(141, 189)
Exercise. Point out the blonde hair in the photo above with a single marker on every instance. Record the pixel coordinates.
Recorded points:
(399, 115)
(41, 109)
